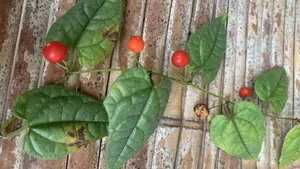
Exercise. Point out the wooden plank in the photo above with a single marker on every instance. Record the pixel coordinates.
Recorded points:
(266, 63)
(94, 85)
(209, 150)
(226, 161)
(202, 13)
(288, 60)
(34, 163)
(277, 56)
(297, 62)
(240, 64)
(132, 25)
(257, 42)
(189, 148)
(27, 66)
(253, 64)
(50, 75)
(296, 83)
(53, 72)
(178, 31)
(10, 14)
(283, 56)
(143, 159)
(240, 61)
(155, 34)
(10, 18)
(165, 147)
(85, 157)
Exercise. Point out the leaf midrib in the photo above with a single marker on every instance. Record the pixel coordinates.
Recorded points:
(46, 138)
(239, 134)
(80, 34)
(271, 95)
(65, 122)
(219, 26)
(135, 126)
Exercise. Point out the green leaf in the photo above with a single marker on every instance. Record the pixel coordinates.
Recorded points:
(92, 27)
(240, 136)
(206, 48)
(272, 86)
(59, 121)
(291, 147)
(134, 108)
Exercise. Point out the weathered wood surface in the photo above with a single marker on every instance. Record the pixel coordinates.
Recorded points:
(260, 34)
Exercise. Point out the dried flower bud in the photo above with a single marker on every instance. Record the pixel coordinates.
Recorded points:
(201, 111)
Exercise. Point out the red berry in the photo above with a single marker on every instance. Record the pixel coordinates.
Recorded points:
(180, 59)
(55, 52)
(135, 44)
(245, 92)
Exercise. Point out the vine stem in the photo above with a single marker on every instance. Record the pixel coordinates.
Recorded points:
(15, 133)
(63, 78)
(98, 70)
(281, 117)
(174, 69)
(8, 122)
(64, 67)
(88, 71)
(124, 69)
(215, 106)
(200, 89)
(72, 59)
(208, 92)
(136, 60)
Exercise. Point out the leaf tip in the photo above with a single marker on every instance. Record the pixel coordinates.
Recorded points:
(224, 17)
(281, 166)
(255, 159)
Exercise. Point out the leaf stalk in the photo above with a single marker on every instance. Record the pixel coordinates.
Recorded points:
(8, 122)
(15, 133)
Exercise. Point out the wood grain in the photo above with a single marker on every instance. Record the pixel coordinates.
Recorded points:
(27, 64)
(253, 65)
(209, 156)
(155, 33)
(52, 73)
(122, 58)
(260, 34)
(10, 20)
(288, 60)
(296, 83)
(178, 31)
(234, 27)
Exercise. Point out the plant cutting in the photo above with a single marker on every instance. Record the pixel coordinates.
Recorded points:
(59, 122)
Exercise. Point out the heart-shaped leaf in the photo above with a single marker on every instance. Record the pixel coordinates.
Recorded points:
(134, 108)
(291, 147)
(273, 86)
(241, 135)
(206, 48)
(92, 27)
(59, 121)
